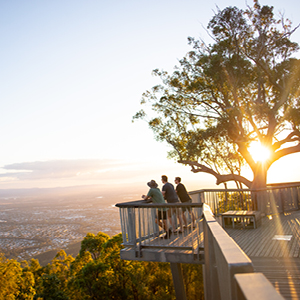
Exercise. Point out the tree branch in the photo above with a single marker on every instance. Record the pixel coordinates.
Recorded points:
(286, 151)
(196, 168)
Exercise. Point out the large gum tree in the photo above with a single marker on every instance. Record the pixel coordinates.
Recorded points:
(241, 88)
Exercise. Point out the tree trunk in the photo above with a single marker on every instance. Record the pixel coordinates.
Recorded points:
(259, 199)
(260, 177)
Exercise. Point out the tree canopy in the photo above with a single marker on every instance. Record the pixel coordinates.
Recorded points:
(223, 96)
(97, 272)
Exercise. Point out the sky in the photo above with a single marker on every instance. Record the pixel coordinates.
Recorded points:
(72, 76)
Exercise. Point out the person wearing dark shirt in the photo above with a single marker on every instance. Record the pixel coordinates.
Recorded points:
(170, 195)
(184, 198)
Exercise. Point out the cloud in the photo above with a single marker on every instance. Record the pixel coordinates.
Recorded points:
(108, 172)
(55, 173)
(60, 169)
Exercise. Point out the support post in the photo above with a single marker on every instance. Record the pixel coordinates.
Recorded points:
(178, 281)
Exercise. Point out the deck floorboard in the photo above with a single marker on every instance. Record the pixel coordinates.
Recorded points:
(274, 248)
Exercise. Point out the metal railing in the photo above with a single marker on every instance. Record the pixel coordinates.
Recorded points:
(222, 200)
(140, 230)
(271, 200)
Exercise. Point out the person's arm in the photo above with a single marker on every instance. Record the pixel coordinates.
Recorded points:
(163, 191)
(148, 198)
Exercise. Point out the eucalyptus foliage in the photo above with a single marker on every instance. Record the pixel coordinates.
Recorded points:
(97, 272)
(242, 87)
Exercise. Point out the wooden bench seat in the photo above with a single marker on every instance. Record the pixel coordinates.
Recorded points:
(241, 218)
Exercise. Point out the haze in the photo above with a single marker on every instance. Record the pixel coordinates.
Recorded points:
(72, 75)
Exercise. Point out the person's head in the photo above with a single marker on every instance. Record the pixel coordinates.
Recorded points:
(177, 180)
(152, 184)
(164, 178)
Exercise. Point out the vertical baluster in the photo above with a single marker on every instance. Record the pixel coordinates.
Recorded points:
(131, 225)
(148, 224)
(195, 235)
(143, 233)
(126, 219)
(122, 221)
(139, 232)
(153, 214)
(145, 227)
(160, 211)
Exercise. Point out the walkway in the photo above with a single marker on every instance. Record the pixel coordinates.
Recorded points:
(274, 249)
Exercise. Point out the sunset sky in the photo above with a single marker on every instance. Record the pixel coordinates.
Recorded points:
(72, 75)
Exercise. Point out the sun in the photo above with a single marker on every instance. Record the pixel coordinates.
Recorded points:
(259, 152)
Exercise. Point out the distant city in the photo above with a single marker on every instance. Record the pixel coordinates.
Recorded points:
(31, 225)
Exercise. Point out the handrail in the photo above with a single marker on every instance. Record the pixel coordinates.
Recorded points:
(224, 259)
(255, 286)
(269, 187)
(145, 204)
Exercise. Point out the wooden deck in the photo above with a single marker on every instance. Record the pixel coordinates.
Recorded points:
(274, 248)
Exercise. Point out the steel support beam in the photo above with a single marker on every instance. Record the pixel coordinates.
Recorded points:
(178, 281)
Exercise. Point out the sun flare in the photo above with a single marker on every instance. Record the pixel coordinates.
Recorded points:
(259, 152)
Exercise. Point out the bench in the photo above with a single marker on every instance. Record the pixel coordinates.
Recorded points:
(241, 218)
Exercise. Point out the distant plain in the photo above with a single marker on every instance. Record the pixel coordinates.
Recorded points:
(37, 223)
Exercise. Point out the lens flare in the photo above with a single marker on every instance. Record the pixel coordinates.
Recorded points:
(259, 152)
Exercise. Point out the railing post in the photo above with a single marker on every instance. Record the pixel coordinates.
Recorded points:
(132, 227)
(178, 281)
(140, 233)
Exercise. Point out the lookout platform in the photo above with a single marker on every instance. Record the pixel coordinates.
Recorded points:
(261, 262)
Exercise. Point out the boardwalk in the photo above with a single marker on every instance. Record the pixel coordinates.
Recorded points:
(274, 249)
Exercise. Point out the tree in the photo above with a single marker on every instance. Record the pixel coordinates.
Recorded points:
(110, 277)
(107, 277)
(244, 87)
(15, 282)
(52, 288)
(93, 244)
(54, 280)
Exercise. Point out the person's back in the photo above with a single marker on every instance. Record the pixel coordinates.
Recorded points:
(156, 195)
(168, 190)
(184, 197)
(170, 193)
(182, 193)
